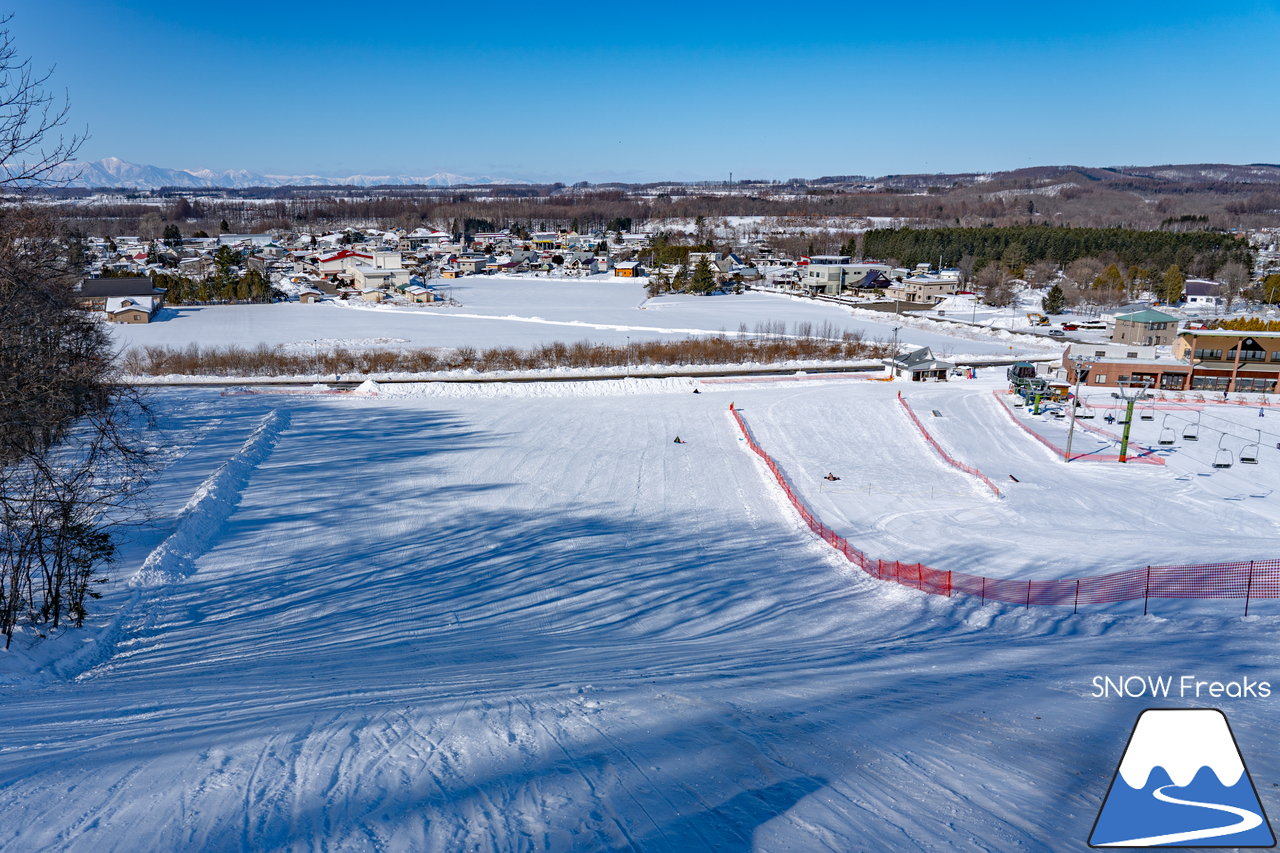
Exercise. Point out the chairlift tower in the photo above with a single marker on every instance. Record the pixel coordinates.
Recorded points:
(1130, 396)
(1082, 368)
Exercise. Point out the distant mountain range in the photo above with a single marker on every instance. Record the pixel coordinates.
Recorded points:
(116, 173)
(112, 172)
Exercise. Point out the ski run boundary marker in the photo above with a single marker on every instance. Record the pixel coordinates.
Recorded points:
(1247, 580)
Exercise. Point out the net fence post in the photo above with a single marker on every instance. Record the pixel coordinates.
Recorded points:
(1146, 595)
(1028, 607)
(1076, 607)
(984, 589)
(1248, 590)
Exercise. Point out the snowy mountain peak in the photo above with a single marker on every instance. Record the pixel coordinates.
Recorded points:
(114, 172)
(1181, 742)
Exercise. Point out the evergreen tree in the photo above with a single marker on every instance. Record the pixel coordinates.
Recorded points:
(172, 235)
(704, 280)
(1171, 285)
(1054, 301)
(224, 227)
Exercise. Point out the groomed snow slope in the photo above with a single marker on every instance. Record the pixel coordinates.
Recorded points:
(896, 500)
(533, 623)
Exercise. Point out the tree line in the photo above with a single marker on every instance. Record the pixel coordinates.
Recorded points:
(1201, 253)
(225, 284)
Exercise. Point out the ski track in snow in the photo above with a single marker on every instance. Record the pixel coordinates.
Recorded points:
(535, 623)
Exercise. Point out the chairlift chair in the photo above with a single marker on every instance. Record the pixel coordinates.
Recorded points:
(1225, 458)
(1147, 414)
(1191, 432)
(1166, 433)
(1249, 454)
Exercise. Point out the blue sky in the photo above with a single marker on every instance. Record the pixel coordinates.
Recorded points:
(632, 91)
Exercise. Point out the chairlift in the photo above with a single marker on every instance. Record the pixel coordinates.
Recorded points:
(1166, 434)
(1084, 410)
(1147, 414)
(1191, 432)
(1225, 457)
(1249, 454)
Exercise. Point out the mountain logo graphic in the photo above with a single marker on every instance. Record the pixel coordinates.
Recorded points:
(1182, 783)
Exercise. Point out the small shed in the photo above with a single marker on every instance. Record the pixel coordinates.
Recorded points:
(920, 365)
(309, 295)
(628, 269)
(372, 295)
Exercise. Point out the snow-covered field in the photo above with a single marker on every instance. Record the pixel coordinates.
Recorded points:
(477, 620)
(524, 312)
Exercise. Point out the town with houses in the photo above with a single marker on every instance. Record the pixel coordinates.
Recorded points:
(1170, 347)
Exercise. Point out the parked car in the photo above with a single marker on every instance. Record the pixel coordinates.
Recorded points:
(1069, 327)
(1056, 333)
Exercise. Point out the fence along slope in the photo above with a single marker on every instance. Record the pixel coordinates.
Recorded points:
(1248, 580)
(947, 457)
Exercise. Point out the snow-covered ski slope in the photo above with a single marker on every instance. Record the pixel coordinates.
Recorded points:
(533, 622)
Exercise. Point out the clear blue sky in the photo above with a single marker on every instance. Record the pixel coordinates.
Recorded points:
(639, 91)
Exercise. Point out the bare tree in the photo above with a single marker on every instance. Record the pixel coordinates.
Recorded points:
(994, 286)
(1235, 279)
(66, 453)
(30, 116)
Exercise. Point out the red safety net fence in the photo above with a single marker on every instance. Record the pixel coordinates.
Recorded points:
(947, 457)
(1254, 579)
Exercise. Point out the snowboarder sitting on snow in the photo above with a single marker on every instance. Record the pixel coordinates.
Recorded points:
(679, 440)
(831, 477)
(696, 391)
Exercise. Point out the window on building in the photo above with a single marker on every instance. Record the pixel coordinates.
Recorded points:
(1210, 383)
(1103, 353)
(1099, 378)
(1131, 355)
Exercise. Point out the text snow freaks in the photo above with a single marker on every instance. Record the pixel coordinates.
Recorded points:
(1178, 687)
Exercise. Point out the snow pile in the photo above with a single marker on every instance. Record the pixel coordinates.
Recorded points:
(368, 388)
(210, 506)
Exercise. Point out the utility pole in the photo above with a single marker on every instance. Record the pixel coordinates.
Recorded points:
(1082, 368)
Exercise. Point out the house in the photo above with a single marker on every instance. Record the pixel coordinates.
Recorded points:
(369, 277)
(418, 293)
(924, 289)
(342, 261)
(471, 264)
(129, 309)
(1125, 365)
(372, 295)
(1147, 327)
(833, 279)
(309, 294)
(1225, 360)
(628, 269)
(94, 292)
(920, 365)
(1200, 293)
(450, 272)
